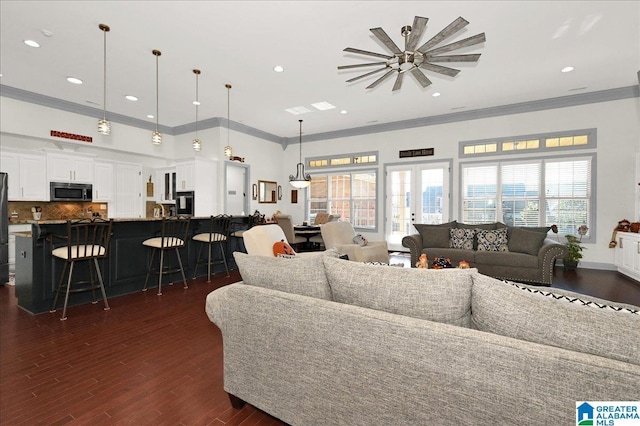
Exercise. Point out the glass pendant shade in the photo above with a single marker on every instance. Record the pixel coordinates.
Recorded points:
(228, 151)
(301, 179)
(104, 127)
(197, 144)
(156, 137)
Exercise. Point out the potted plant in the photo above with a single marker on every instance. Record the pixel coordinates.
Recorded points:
(575, 249)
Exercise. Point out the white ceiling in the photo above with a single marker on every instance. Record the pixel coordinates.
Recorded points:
(239, 42)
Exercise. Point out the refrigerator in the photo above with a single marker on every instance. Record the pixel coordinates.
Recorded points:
(4, 230)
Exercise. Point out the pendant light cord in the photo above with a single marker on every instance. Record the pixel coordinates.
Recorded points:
(197, 72)
(300, 143)
(157, 95)
(104, 82)
(228, 111)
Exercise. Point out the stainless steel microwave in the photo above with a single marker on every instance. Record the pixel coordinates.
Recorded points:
(64, 191)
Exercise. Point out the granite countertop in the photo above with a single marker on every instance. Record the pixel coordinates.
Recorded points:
(61, 221)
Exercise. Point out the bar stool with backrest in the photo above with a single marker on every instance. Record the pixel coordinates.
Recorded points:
(218, 234)
(173, 236)
(87, 240)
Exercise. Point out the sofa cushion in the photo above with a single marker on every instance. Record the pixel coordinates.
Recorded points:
(485, 226)
(435, 235)
(495, 240)
(461, 238)
(525, 241)
(435, 295)
(302, 275)
(516, 311)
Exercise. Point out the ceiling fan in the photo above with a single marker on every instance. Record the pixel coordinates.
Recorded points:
(413, 60)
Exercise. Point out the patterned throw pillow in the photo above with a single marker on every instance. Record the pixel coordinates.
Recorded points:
(360, 240)
(461, 238)
(492, 240)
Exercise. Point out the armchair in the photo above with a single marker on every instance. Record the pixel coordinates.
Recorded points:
(340, 235)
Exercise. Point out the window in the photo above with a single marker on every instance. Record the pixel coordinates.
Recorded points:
(535, 192)
(342, 160)
(352, 195)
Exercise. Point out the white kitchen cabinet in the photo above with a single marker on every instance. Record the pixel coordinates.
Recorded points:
(186, 175)
(103, 182)
(165, 186)
(128, 192)
(27, 175)
(66, 167)
(627, 255)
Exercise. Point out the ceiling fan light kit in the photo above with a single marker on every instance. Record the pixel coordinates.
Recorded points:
(412, 59)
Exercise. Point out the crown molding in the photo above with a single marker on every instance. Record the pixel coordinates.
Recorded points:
(518, 108)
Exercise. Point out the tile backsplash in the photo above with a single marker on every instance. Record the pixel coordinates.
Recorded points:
(54, 210)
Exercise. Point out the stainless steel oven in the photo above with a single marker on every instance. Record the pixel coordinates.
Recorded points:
(185, 203)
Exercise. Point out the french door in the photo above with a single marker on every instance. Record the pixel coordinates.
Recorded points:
(416, 193)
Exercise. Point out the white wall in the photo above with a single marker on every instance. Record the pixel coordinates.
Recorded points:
(27, 126)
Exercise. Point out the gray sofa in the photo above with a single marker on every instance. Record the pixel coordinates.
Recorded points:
(323, 341)
(527, 255)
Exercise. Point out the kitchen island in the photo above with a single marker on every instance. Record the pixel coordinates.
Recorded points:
(123, 271)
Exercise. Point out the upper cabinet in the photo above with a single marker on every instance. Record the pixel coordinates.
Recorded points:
(103, 182)
(165, 186)
(66, 167)
(27, 175)
(186, 175)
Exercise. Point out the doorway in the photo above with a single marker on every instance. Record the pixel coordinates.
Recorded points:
(236, 202)
(416, 193)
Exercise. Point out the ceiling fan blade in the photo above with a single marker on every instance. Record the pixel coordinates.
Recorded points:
(440, 69)
(381, 79)
(419, 75)
(454, 58)
(478, 38)
(386, 40)
(365, 52)
(419, 24)
(366, 75)
(448, 31)
(346, 67)
(398, 83)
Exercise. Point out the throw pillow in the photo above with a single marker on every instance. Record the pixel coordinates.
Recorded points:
(522, 241)
(442, 296)
(360, 240)
(505, 309)
(435, 235)
(492, 240)
(461, 238)
(302, 275)
(283, 247)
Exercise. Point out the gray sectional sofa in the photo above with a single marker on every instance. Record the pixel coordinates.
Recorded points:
(523, 254)
(324, 341)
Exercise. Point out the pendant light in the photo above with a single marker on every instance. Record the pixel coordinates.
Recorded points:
(197, 144)
(301, 179)
(228, 151)
(104, 127)
(156, 137)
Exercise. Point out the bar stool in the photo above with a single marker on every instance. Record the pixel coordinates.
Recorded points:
(86, 240)
(218, 233)
(172, 237)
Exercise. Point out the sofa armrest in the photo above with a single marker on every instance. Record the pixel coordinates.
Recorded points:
(414, 244)
(547, 255)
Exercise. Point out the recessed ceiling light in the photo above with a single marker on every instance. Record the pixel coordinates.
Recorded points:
(47, 33)
(74, 80)
(150, 116)
(344, 111)
(436, 94)
(577, 89)
(278, 68)
(32, 43)
(458, 107)
(297, 110)
(322, 106)
(131, 98)
(196, 103)
(567, 69)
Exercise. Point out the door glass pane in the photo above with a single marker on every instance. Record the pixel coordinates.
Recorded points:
(400, 198)
(432, 198)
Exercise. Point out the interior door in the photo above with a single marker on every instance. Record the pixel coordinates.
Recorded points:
(416, 193)
(236, 201)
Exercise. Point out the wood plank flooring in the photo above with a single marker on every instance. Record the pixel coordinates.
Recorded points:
(150, 359)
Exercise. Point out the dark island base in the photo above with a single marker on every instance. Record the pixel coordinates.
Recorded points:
(124, 271)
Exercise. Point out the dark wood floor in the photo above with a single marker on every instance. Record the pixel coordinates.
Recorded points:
(150, 359)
